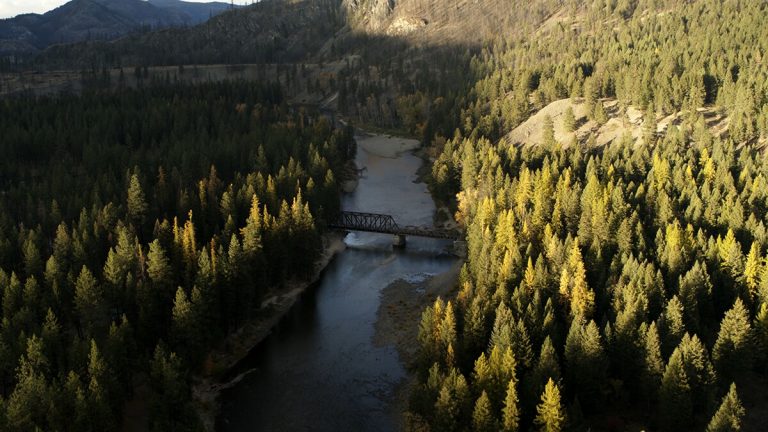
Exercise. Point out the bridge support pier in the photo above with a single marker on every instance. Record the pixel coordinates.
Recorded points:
(398, 240)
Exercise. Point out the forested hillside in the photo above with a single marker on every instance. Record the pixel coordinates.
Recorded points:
(617, 286)
(139, 227)
(614, 284)
(81, 20)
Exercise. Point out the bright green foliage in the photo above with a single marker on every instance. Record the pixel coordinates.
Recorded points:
(752, 268)
(510, 415)
(573, 285)
(730, 414)
(550, 416)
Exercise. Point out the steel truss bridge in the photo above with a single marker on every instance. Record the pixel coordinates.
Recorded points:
(381, 223)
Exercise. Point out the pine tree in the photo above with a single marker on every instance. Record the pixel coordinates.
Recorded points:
(453, 403)
(99, 386)
(89, 302)
(728, 417)
(573, 285)
(33, 264)
(586, 362)
(732, 353)
(550, 415)
(676, 410)
(761, 335)
(548, 132)
(170, 407)
(569, 120)
(28, 403)
(447, 331)
(510, 415)
(136, 201)
(649, 125)
(653, 365)
(482, 417)
(548, 365)
(752, 268)
(183, 324)
(600, 116)
(252, 231)
(671, 325)
(158, 266)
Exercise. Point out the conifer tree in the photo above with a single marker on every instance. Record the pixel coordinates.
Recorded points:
(730, 414)
(550, 415)
(548, 365)
(510, 415)
(99, 385)
(453, 403)
(752, 268)
(569, 120)
(28, 403)
(653, 365)
(676, 409)
(671, 325)
(89, 302)
(136, 201)
(183, 324)
(158, 266)
(732, 352)
(548, 132)
(482, 417)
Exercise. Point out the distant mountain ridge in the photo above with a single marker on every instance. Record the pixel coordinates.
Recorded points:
(80, 20)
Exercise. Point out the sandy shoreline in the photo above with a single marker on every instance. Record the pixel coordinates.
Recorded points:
(236, 346)
(397, 323)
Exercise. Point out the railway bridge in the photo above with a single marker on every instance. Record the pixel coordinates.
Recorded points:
(385, 224)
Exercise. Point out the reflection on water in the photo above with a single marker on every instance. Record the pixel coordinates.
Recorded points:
(319, 370)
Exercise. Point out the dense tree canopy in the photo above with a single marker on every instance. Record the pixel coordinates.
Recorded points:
(630, 273)
(137, 228)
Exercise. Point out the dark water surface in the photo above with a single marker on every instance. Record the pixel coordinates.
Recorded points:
(319, 370)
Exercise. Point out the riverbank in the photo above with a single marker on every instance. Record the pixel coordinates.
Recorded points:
(397, 324)
(403, 301)
(206, 389)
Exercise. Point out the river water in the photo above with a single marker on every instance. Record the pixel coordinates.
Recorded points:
(320, 369)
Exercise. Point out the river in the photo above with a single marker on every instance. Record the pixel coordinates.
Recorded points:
(320, 369)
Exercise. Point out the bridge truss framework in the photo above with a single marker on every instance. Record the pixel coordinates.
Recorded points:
(381, 223)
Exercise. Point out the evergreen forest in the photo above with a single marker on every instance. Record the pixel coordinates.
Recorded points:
(616, 285)
(138, 227)
(608, 285)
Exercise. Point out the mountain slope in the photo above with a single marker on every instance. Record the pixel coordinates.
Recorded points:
(267, 31)
(295, 30)
(81, 20)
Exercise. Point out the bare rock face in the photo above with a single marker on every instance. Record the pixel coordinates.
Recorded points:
(369, 15)
(402, 26)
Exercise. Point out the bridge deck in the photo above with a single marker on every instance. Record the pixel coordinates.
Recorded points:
(381, 223)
